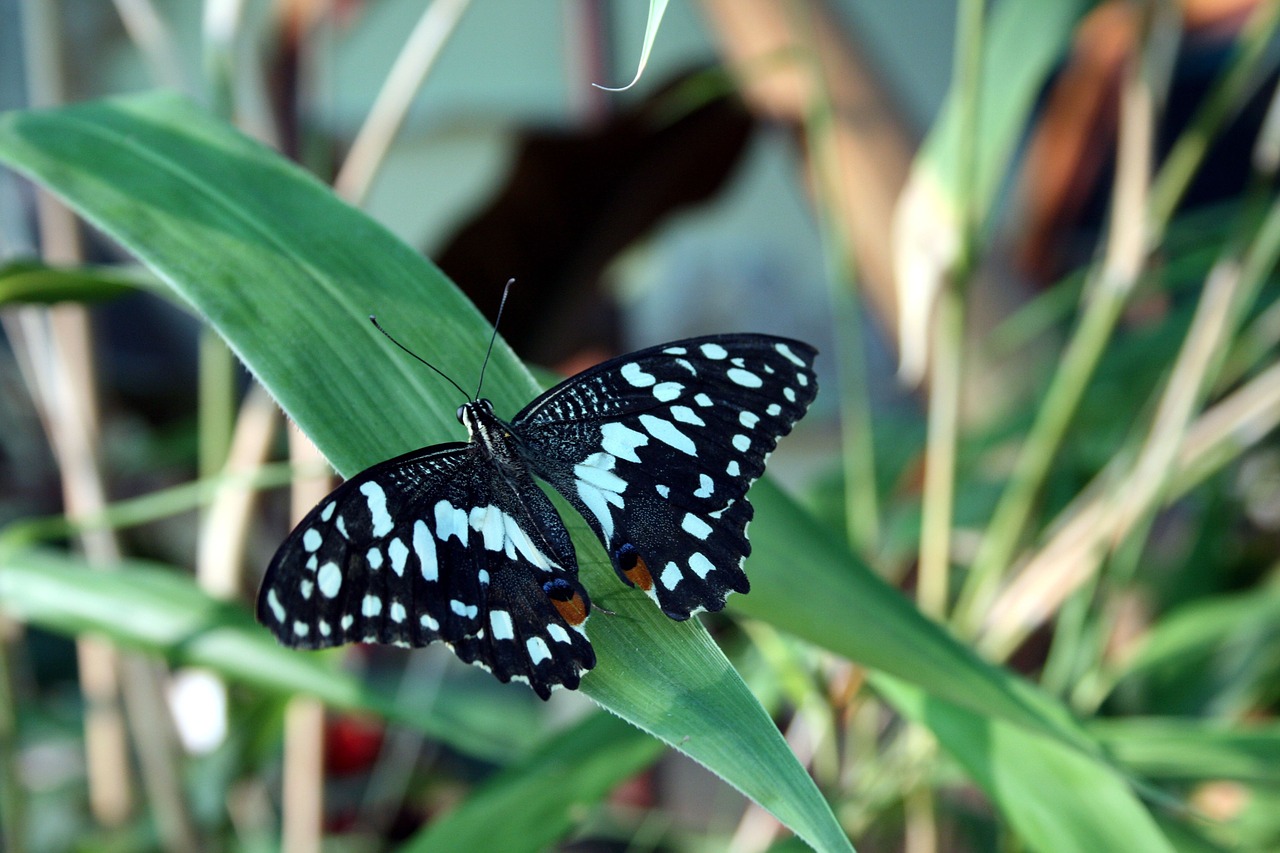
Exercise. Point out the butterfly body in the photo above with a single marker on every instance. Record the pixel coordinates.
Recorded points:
(655, 449)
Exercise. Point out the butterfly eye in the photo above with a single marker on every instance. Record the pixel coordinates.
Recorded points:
(458, 413)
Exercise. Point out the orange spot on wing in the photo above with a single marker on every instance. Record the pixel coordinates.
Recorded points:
(638, 574)
(572, 610)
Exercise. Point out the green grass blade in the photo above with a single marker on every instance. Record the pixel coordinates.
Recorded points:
(32, 283)
(529, 806)
(1194, 750)
(158, 610)
(806, 581)
(1024, 40)
(1055, 798)
(657, 8)
(287, 275)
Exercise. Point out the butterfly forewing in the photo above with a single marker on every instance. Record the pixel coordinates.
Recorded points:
(456, 542)
(445, 544)
(657, 449)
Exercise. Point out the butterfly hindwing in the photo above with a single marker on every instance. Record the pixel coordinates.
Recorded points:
(657, 448)
(439, 544)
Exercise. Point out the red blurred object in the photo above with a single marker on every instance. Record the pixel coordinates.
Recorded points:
(351, 744)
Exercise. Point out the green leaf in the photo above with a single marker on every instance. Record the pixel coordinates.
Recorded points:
(1056, 799)
(531, 805)
(805, 581)
(1223, 652)
(1024, 41)
(33, 283)
(287, 275)
(657, 8)
(154, 609)
(1194, 750)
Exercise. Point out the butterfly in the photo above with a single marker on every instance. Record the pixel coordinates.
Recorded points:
(457, 542)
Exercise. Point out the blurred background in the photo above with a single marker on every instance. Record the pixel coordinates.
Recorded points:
(999, 222)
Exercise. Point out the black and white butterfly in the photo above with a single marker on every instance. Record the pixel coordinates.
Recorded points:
(456, 542)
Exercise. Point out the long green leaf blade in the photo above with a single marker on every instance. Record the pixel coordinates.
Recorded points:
(286, 273)
(1058, 800)
(147, 607)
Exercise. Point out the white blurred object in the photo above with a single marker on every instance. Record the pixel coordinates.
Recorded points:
(198, 700)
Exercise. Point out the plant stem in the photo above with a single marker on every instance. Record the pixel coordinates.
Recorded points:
(13, 813)
(940, 452)
(862, 512)
(947, 342)
(1228, 93)
(1107, 293)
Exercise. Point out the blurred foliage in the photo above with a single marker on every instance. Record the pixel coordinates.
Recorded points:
(1137, 710)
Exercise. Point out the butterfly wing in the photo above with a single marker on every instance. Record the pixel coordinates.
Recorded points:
(657, 448)
(439, 544)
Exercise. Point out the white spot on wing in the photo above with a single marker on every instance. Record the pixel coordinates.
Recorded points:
(732, 469)
(748, 419)
(664, 491)
(634, 374)
(621, 441)
(301, 629)
(277, 609)
(427, 622)
(597, 501)
(665, 392)
(398, 554)
(522, 543)
(311, 539)
(376, 498)
(741, 442)
(702, 400)
(708, 486)
(666, 432)
(713, 351)
(789, 355)
(451, 522)
(347, 621)
(560, 635)
(371, 606)
(671, 576)
(789, 394)
(424, 545)
(374, 556)
(596, 471)
(538, 651)
(466, 610)
(802, 380)
(745, 378)
(676, 351)
(329, 579)
(327, 512)
(774, 410)
(500, 622)
(686, 415)
(398, 612)
(701, 565)
(487, 521)
(695, 526)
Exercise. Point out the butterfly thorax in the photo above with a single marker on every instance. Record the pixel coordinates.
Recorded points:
(488, 430)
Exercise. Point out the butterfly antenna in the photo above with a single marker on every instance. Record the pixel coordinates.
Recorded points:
(494, 336)
(376, 325)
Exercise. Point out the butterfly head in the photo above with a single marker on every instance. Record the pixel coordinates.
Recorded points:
(465, 412)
